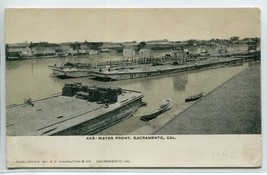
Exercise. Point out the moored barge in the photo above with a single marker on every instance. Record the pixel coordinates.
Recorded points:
(142, 71)
(78, 110)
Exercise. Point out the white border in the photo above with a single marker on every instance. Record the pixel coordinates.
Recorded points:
(262, 4)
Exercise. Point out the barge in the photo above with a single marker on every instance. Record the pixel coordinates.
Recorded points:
(78, 110)
(142, 71)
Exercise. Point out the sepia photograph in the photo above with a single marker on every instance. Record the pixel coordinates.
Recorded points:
(133, 74)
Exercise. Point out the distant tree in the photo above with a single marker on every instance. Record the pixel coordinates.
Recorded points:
(141, 45)
(96, 45)
(234, 38)
(75, 46)
(31, 45)
(191, 42)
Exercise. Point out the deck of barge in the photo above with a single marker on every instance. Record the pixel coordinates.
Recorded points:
(57, 113)
(147, 70)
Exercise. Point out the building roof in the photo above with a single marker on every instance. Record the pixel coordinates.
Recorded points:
(179, 44)
(65, 47)
(165, 41)
(133, 43)
(84, 47)
(25, 44)
(43, 49)
(111, 46)
(10, 49)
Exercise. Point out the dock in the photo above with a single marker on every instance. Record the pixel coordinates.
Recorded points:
(142, 71)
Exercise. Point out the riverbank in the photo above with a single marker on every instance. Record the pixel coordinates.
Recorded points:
(46, 57)
(232, 108)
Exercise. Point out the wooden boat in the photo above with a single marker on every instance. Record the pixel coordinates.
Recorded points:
(194, 97)
(72, 70)
(165, 106)
(144, 103)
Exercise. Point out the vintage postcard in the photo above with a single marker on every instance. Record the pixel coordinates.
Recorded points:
(153, 87)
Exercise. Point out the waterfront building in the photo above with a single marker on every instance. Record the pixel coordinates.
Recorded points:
(44, 51)
(145, 53)
(63, 50)
(73, 52)
(132, 45)
(251, 46)
(15, 50)
(222, 49)
(128, 52)
(179, 56)
(84, 49)
(237, 48)
(159, 44)
(111, 47)
(178, 45)
(93, 52)
(26, 53)
(129, 49)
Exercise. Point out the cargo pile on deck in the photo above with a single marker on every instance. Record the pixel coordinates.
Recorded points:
(92, 93)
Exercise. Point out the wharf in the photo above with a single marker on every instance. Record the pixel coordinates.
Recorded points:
(141, 71)
(232, 108)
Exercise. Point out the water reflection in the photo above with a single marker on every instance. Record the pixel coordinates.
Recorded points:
(180, 81)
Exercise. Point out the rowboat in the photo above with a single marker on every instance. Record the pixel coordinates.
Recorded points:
(165, 106)
(194, 97)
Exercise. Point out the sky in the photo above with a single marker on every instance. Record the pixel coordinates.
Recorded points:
(121, 25)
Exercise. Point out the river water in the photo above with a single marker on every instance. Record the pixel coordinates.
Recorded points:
(33, 79)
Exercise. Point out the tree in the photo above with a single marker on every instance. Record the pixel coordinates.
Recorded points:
(31, 45)
(141, 45)
(75, 46)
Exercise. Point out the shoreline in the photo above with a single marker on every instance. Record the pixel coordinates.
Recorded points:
(42, 57)
(212, 118)
(154, 126)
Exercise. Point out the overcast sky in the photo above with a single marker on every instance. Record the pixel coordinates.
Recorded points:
(119, 25)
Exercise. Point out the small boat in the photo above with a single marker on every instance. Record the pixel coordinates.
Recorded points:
(165, 106)
(194, 97)
(144, 103)
(72, 70)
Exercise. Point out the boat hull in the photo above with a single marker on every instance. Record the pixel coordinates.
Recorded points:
(71, 74)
